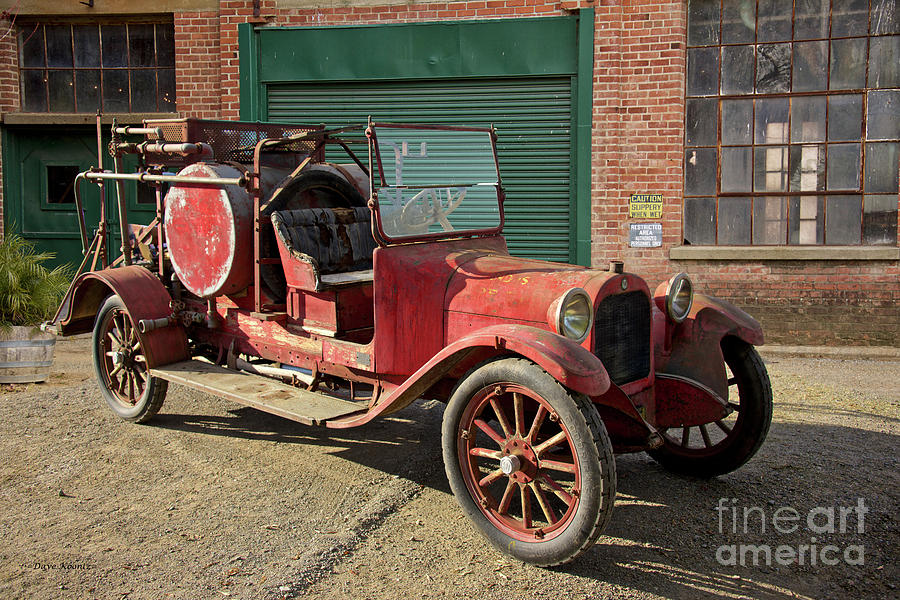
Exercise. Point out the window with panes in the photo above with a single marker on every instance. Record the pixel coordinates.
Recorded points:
(792, 122)
(83, 67)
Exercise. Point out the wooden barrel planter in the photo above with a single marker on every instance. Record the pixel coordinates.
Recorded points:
(26, 354)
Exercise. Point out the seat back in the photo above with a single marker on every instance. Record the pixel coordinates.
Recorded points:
(337, 239)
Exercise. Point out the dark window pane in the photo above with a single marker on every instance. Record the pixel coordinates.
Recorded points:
(115, 47)
(811, 19)
(703, 22)
(883, 119)
(848, 64)
(807, 164)
(807, 220)
(774, 21)
(700, 221)
(884, 66)
(843, 220)
(738, 21)
(844, 118)
(773, 68)
(808, 119)
(734, 221)
(770, 220)
(115, 91)
(849, 17)
(34, 90)
(843, 166)
(810, 61)
(146, 194)
(166, 78)
(770, 169)
(87, 46)
(61, 183)
(702, 71)
(700, 171)
(143, 90)
(737, 69)
(880, 219)
(59, 46)
(141, 51)
(737, 122)
(62, 91)
(165, 45)
(31, 41)
(881, 168)
(737, 169)
(87, 90)
(700, 121)
(772, 121)
(885, 17)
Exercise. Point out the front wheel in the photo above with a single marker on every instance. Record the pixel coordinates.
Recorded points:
(722, 446)
(121, 366)
(529, 462)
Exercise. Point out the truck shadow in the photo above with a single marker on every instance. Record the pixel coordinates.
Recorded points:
(665, 532)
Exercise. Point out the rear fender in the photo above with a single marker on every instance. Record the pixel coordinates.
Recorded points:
(696, 343)
(569, 363)
(144, 296)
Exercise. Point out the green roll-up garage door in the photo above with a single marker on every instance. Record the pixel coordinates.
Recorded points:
(533, 117)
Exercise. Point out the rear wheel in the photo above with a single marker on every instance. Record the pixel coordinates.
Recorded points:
(529, 462)
(722, 446)
(121, 365)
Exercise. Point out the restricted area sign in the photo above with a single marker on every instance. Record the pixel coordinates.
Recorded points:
(645, 235)
(645, 206)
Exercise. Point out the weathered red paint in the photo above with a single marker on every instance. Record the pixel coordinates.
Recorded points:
(681, 402)
(144, 297)
(208, 230)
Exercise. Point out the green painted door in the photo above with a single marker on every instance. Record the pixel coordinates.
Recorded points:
(533, 119)
(39, 167)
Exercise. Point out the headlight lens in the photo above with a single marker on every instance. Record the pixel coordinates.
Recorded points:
(575, 315)
(679, 297)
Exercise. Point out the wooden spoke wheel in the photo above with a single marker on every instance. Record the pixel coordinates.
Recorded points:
(529, 462)
(121, 366)
(722, 446)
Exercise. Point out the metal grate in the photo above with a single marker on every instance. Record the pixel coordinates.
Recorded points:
(622, 336)
(231, 141)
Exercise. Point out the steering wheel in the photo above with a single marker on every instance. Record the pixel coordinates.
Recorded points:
(431, 205)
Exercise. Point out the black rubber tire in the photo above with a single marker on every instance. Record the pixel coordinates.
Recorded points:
(750, 429)
(150, 399)
(589, 439)
(315, 182)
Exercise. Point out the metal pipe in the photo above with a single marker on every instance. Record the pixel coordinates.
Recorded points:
(148, 178)
(79, 206)
(276, 372)
(148, 325)
(123, 211)
(157, 131)
(164, 148)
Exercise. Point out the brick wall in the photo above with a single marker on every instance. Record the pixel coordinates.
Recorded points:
(9, 85)
(198, 87)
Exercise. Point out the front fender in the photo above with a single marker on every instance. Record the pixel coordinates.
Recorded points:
(144, 296)
(567, 362)
(695, 350)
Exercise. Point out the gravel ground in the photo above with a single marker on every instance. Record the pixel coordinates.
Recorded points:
(213, 500)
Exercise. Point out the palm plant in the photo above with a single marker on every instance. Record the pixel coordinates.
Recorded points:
(29, 292)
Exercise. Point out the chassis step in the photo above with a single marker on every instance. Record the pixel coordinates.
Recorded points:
(310, 408)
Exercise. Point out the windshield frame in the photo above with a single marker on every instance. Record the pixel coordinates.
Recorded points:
(375, 166)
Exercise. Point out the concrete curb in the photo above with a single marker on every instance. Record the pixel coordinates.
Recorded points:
(835, 352)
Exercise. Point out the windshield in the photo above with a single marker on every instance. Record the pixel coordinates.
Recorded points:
(434, 181)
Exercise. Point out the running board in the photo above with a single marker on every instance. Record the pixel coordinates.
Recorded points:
(256, 391)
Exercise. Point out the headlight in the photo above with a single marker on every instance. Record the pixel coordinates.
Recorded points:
(679, 297)
(575, 315)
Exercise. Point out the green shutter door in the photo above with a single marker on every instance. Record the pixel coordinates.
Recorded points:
(533, 117)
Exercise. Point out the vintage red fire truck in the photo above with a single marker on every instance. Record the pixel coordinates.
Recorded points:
(333, 291)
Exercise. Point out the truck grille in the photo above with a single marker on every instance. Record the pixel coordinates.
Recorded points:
(622, 336)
